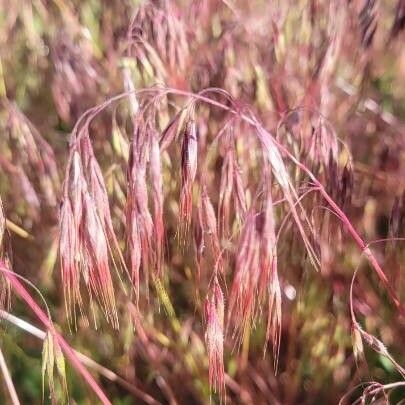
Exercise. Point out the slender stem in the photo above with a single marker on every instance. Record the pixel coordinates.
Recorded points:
(89, 362)
(350, 228)
(70, 354)
(8, 380)
(394, 385)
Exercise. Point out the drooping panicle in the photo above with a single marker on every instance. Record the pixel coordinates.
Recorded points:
(312, 139)
(255, 284)
(157, 39)
(76, 79)
(87, 239)
(33, 157)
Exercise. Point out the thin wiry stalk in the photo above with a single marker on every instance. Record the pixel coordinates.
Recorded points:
(371, 340)
(87, 361)
(70, 354)
(8, 380)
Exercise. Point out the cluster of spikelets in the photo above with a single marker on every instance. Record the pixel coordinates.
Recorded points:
(89, 248)
(32, 169)
(245, 218)
(32, 162)
(145, 232)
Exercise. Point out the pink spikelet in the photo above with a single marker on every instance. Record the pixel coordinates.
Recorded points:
(134, 245)
(138, 218)
(98, 190)
(269, 285)
(273, 332)
(189, 152)
(240, 204)
(132, 227)
(74, 189)
(231, 189)
(96, 259)
(69, 260)
(157, 198)
(214, 338)
(70, 251)
(208, 222)
(244, 290)
(268, 249)
(225, 192)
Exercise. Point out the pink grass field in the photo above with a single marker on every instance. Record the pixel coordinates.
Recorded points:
(202, 202)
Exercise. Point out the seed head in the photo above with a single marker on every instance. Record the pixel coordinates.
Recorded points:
(208, 224)
(189, 152)
(226, 191)
(138, 218)
(157, 198)
(214, 337)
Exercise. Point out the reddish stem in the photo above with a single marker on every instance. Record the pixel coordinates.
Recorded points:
(350, 228)
(70, 354)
